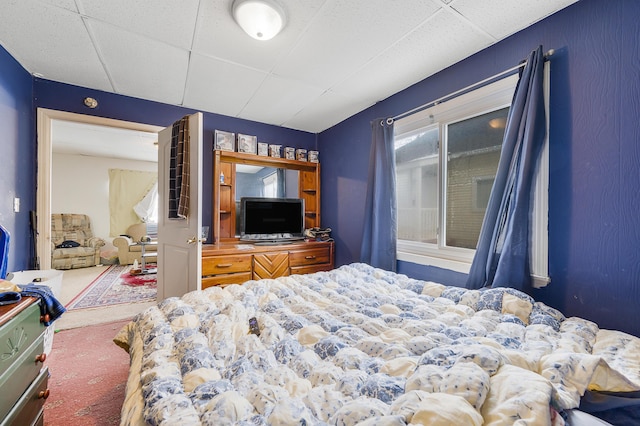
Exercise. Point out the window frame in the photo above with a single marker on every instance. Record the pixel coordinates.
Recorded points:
(476, 102)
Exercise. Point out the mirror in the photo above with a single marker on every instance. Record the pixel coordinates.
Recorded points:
(267, 182)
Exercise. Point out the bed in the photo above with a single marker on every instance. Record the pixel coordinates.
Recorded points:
(360, 345)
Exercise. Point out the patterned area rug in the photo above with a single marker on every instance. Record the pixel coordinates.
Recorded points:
(116, 286)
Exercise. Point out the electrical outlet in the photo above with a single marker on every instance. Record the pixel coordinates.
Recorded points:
(16, 205)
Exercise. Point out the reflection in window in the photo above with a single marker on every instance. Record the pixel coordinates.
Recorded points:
(270, 186)
(473, 153)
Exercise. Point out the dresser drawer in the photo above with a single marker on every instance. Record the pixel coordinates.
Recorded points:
(309, 257)
(229, 264)
(301, 270)
(270, 265)
(18, 334)
(225, 279)
(29, 408)
(19, 376)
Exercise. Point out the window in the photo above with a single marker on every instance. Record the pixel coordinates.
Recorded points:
(270, 185)
(446, 160)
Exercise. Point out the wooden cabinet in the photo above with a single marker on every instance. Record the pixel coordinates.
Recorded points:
(233, 263)
(229, 261)
(224, 207)
(310, 193)
(23, 379)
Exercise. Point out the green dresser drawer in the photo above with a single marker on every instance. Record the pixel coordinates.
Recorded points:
(31, 405)
(19, 376)
(18, 334)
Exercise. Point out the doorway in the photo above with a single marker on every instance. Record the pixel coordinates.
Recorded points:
(45, 124)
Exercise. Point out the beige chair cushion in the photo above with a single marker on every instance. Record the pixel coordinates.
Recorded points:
(128, 249)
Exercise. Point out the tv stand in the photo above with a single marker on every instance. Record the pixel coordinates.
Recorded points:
(237, 262)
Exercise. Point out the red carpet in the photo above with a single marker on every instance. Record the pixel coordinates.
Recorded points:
(88, 376)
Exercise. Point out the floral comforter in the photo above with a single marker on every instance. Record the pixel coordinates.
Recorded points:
(359, 345)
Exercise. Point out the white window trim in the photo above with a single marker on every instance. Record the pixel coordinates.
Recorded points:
(459, 260)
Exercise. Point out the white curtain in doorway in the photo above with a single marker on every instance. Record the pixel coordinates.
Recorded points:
(126, 189)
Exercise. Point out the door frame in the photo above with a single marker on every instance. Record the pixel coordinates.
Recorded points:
(45, 144)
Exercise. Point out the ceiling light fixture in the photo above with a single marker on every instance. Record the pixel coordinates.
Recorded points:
(261, 19)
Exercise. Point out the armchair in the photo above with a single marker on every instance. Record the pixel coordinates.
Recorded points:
(128, 247)
(73, 244)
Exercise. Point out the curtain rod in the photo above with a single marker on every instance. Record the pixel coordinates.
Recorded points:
(487, 80)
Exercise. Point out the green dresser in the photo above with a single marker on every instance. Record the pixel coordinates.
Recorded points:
(23, 377)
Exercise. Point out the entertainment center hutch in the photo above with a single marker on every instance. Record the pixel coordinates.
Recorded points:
(231, 261)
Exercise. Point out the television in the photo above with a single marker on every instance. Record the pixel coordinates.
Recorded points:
(271, 220)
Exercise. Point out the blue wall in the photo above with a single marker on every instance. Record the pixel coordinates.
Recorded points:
(21, 95)
(64, 97)
(17, 150)
(594, 197)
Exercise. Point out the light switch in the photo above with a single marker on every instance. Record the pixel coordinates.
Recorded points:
(16, 205)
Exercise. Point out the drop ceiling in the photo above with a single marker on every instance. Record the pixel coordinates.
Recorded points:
(334, 58)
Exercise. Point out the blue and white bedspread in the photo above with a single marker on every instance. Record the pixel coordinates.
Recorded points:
(359, 345)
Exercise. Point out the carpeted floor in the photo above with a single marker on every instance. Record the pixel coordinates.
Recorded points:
(75, 282)
(88, 376)
(116, 286)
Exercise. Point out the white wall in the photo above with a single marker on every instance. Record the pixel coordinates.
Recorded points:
(80, 184)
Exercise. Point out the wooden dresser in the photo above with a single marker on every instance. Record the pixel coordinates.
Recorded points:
(235, 263)
(23, 379)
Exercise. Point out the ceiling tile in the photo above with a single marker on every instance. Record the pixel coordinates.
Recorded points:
(502, 18)
(141, 67)
(326, 111)
(346, 35)
(278, 99)
(39, 38)
(333, 58)
(439, 43)
(166, 20)
(66, 4)
(220, 87)
(216, 27)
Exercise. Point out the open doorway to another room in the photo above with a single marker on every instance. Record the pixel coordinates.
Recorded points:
(82, 161)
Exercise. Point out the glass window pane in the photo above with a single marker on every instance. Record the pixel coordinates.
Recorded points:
(473, 152)
(417, 185)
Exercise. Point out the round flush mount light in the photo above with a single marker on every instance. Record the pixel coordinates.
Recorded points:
(261, 19)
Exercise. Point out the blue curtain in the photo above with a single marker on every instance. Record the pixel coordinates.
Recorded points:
(502, 254)
(4, 252)
(380, 220)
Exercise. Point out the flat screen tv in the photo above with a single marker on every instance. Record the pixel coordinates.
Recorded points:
(271, 220)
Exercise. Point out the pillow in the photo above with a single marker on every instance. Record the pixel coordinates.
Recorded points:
(68, 244)
(77, 236)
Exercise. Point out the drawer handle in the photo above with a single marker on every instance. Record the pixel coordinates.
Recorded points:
(43, 394)
(224, 265)
(41, 358)
(310, 257)
(45, 318)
